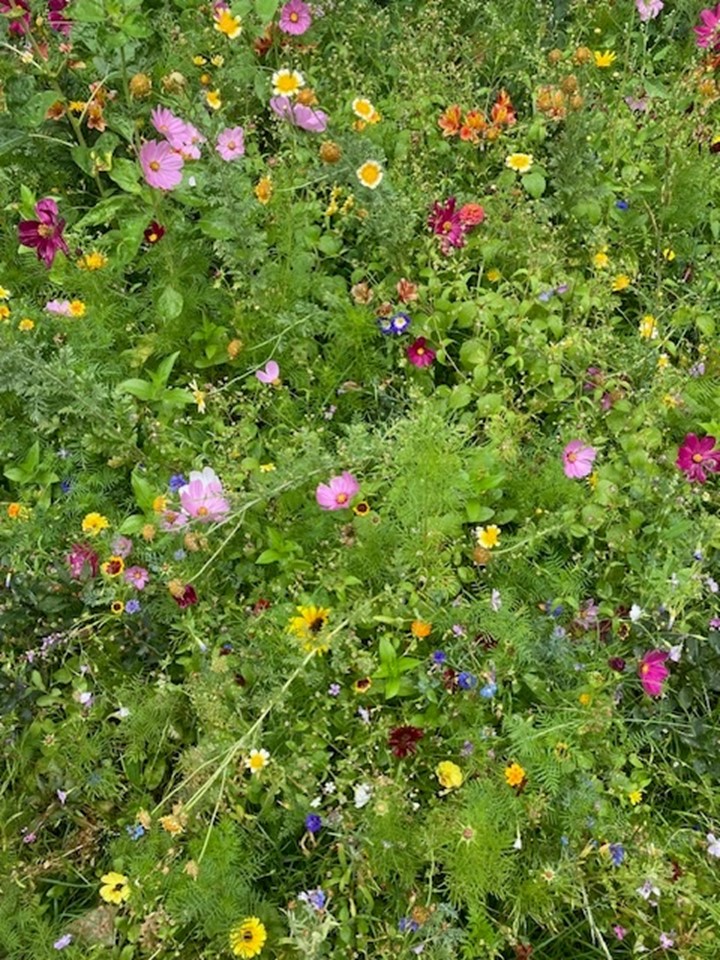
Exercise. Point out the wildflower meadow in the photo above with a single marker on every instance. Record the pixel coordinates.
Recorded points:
(360, 479)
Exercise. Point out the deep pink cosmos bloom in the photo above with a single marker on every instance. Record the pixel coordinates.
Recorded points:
(295, 18)
(161, 165)
(697, 455)
(307, 118)
(82, 561)
(17, 12)
(446, 224)
(202, 497)
(231, 143)
(271, 373)
(337, 494)
(45, 233)
(653, 672)
(56, 16)
(707, 34)
(420, 354)
(137, 577)
(648, 9)
(578, 459)
(187, 598)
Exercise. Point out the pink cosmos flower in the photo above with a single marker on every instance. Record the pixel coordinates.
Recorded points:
(137, 577)
(337, 494)
(173, 520)
(82, 561)
(295, 18)
(18, 15)
(60, 307)
(307, 118)
(653, 672)
(271, 373)
(446, 223)
(202, 496)
(186, 140)
(45, 233)
(231, 143)
(696, 455)
(578, 459)
(56, 17)
(420, 354)
(648, 9)
(707, 34)
(161, 165)
(166, 123)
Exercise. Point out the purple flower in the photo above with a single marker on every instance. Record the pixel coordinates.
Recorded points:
(666, 941)
(648, 9)
(45, 233)
(295, 18)
(438, 657)
(82, 561)
(177, 480)
(467, 681)
(56, 17)
(230, 143)
(696, 455)
(18, 11)
(132, 606)
(620, 932)
(137, 577)
(271, 373)
(446, 224)
(313, 823)
(637, 105)
(622, 204)
(314, 898)
(617, 853)
(708, 33)
(408, 925)
(299, 115)
(64, 941)
(121, 547)
(334, 689)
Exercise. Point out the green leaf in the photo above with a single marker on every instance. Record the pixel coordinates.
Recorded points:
(141, 389)
(143, 490)
(266, 9)
(268, 556)
(162, 374)
(33, 113)
(534, 183)
(125, 174)
(87, 11)
(460, 396)
(170, 303)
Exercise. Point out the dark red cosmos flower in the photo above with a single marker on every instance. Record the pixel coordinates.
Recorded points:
(45, 233)
(403, 740)
(187, 598)
(154, 232)
(18, 13)
(56, 17)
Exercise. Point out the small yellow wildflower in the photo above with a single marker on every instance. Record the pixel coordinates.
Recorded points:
(514, 775)
(4, 311)
(286, 83)
(671, 401)
(635, 797)
(493, 275)
(648, 327)
(4, 293)
(213, 99)
(519, 162)
(420, 629)
(620, 282)
(488, 537)
(174, 822)
(449, 774)
(94, 523)
(362, 108)
(159, 504)
(264, 189)
(593, 480)
(604, 59)
(26, 324)
(601, 260)
(248, 938)
(14, 511)
(267, 467)
(199, 61)
(217, 60)
(199, 395)
(76, 106)
(115, 888)
(93, 261)
(76, 308)
(226, 23)
(663, 361)
(370, 174)
(257, 761)
(668, 254)
(585, 699)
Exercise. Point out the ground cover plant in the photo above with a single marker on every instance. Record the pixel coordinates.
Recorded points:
(359, 534)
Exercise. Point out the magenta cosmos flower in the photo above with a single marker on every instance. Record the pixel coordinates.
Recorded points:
(707, 33)
(697, 455)
(295, 18)
(45, 233)
(420, 354)
(202, 497)
(307, 118)
(18, 14)
(161, 165)
(56, 17)
(578, 459)
(653, 672)
(231, 143)
(271, 373)
(446, 223)
(337, 494)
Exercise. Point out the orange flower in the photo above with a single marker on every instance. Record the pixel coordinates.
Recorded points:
(449, 122)
(473, 126)
(420, 629)
(503, 112)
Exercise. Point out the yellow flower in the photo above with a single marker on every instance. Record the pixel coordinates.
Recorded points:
(93, 261)
(663, 361)
(493, 275)
(76, 308)
(364, 109)
(671, 401)
(198, 395)
(648, 327)
(370, 174)
(4, 311)
(174, 822)
(585, 699)
(94, 523)
(449, 774)
(15, 511)
(226, 23)
(264, 189)
(606, 59)
(199, 61)
(248, 938)
(420, 629)
(4, 293)
(217, 60)
(601, 260)
(593, 480)
(213, 99)
(113, 567)
(488, 537)
(115, 888)
(117, 607)
(362, 685)
(286, 83)
(309, 626)
(267, 467)
(26, 324)
(76, 106)
(361, 509)
(159, 504)
(257, 761)
(635, 797)
(620, 282)
(519, 162)
(669, 254)
(514, 775)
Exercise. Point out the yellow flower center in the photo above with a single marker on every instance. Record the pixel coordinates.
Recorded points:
(294, 17)
(154, 165)
(420, 351)
(203, 511)
(645, 669)
(572, 457)
(342, 498)
(697, 458)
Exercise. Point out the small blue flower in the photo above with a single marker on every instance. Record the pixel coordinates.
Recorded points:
(622, 204)
(439, 657)
(135, 831)
(132, 606)
(399, 322)
(617, 853)
(313, 823)
(314, 898)
(545, 296)
(489, 690)
(467, 681)
(179, 554)
(385, 325)
(177, 480)
(407, 925)
(66, 486)
(467, 748)
(64, 941)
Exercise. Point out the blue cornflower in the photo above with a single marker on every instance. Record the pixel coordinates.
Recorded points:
(467, 681)
(179, 554)
(489, 690)
(545, 296)
(314, 898)
(313, 823)
(622, 204)
(399, 322)
(408, 925)
(438, 657)
(132, 606)
(617, 853)
(177, 480)
(385, 325)
(135, 831)
(66, 486)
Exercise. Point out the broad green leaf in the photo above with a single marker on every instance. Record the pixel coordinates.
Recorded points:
(170, 303)
(125, 174)
(141, 389)
(534, 183)
(266, 9)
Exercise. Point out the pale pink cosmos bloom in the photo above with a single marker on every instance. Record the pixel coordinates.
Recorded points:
(653, 672)
(166, 123)
(231, 143)
(648, 9)
(137, 577)
(295, 18)
(578, 459)
(161, 165)
(186, 140)
(60, 307)
(202, 497)
(271, 373)
(307, 118)
(708, 33)
(337, 494)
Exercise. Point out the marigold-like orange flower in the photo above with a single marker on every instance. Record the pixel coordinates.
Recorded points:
(450, 120)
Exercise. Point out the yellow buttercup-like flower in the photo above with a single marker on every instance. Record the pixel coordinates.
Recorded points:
(26, 324)
(248, 938)
(213, 99)
(263, 189)
(226, 23)
(364, 109)
(257, 761)
(604, 59)
(488, 537)
(94, 523)
(621, 282)
(449, 774)
(115, 888)
(519, 162)
(648, 327)
(601, 260)
(514, 775)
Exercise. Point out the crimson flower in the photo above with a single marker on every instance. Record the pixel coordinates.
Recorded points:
(187, 598)
(82, 561)
(420, 354)
(403, 740)
(707, 34)
(653, 672)
(45, 233)
(697, 455)
(18, 12)
(446, 224)
(154, 233)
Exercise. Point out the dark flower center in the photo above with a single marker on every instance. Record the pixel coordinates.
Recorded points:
(316, 625)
